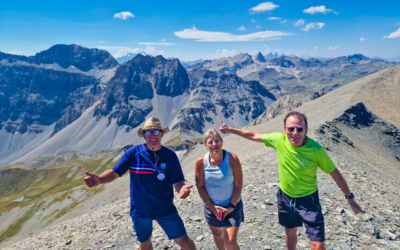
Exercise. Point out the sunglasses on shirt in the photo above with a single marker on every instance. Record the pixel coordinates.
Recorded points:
(155, 132)
(292, 129)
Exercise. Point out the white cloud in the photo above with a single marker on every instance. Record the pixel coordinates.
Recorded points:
(163, 40)
(124, 15)
(242, 28)
(15, 52)
(152, 51)
(258, 27)
(157, 43)
(284, 21)
(253, 21)
(120, 51)
(333, 48)
(315, 49)
(318, 9)
(363, 39)
(101, 41)
(273, 39)
(395, 34)
(210, 36)
(299, 23)
(274, 18)
(263, 7)
(313, 26)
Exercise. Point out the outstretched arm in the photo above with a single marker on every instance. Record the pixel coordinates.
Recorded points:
(342, 184)
(247, 134)
(93, 180)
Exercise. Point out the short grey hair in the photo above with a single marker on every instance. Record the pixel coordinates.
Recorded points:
(211, 132)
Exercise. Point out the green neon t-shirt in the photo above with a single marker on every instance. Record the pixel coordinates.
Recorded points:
(298, 166)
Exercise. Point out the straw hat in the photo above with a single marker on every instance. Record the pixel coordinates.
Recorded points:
(152, 123)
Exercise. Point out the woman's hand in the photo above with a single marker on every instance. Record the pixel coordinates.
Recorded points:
(216, 211)
(227, 210)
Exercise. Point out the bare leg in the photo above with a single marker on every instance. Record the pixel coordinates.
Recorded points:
(185, 243)
(317, 245)
(230, 236)
(291, 238)
(218, 237)
(147, 245)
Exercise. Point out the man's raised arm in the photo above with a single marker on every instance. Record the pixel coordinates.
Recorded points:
(93, 180)
(247, 134)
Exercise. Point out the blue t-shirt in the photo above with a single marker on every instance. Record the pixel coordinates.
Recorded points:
(152, 190)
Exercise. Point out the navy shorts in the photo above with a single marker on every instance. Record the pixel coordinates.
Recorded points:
(232, 220)
(171, 224)
(293, 212)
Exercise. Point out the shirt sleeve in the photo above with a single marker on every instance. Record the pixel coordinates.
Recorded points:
(324, 161)
(177, 174)
(272, 140)
(123, 164)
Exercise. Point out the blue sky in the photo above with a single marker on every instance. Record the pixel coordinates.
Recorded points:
(191, 30)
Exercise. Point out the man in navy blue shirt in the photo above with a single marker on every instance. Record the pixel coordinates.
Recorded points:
(154, 172)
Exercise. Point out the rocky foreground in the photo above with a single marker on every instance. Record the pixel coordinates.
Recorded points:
(110, 227)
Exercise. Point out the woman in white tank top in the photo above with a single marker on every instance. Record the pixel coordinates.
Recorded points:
(219, 180)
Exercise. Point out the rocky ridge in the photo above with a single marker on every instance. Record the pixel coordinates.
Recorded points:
(286, 104)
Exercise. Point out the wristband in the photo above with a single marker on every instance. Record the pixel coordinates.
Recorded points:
(231, 205)
(351, 196)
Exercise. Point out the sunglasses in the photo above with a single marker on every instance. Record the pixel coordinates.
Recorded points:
(292, 129)
(155, 132)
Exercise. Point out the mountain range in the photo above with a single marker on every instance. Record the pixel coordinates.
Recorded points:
(82, 100)
(52, 101)
(288, 75)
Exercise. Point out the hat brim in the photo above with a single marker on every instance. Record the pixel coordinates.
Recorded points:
(141, 130)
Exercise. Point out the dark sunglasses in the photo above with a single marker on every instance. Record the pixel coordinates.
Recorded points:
(155, 132)
(292, 129)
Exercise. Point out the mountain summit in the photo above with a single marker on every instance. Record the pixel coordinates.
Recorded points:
(259, 57)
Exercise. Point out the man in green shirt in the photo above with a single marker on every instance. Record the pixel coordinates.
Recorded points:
(299, 158)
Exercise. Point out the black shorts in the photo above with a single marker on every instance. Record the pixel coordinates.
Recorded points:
(293, 212)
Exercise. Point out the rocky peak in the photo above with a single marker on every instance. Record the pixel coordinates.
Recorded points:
(74, 55)
(169, 77)
(258, 57)
(128, 97)
(271, 55)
